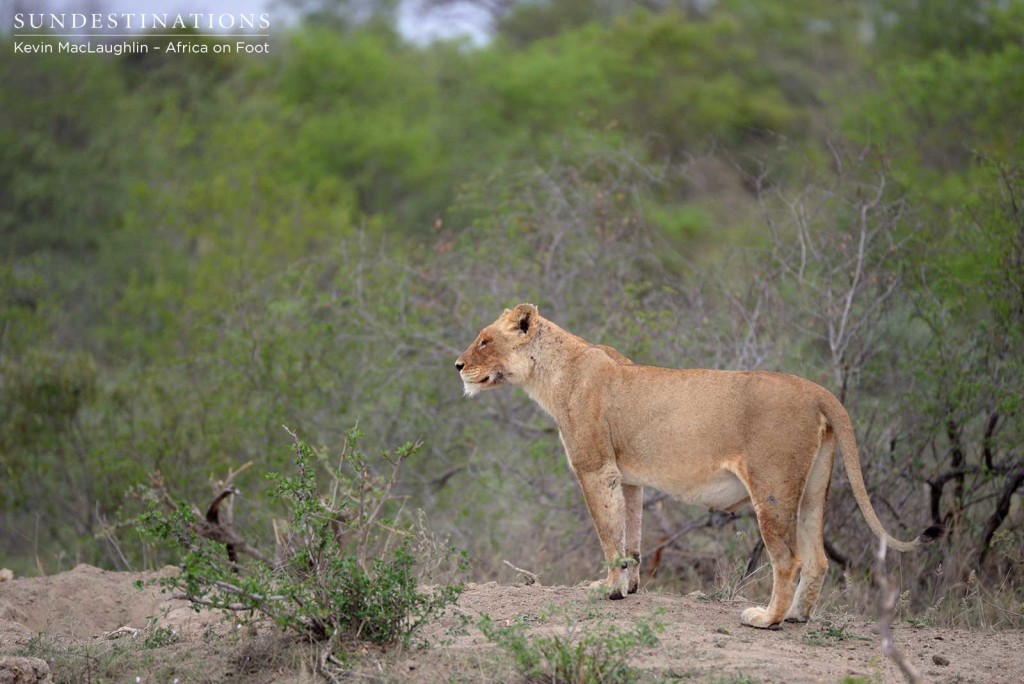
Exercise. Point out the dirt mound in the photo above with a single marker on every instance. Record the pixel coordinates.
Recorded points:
(700, 639)
(88, 602)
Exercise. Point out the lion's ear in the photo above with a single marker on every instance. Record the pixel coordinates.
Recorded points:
(523, 317)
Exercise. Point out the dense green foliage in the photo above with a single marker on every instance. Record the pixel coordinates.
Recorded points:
(196, 250)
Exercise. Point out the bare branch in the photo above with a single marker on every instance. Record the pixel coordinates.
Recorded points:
(999, 514)
(887, 595)
(219, 528)
(531, 578)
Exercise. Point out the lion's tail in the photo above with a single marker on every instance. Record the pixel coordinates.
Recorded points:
(839, 419)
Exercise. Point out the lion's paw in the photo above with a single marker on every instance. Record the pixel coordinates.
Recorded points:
(632, 574)
(798, 613)
(758, 617)
(613, 590)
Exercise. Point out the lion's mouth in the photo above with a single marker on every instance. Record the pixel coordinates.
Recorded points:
(475, 385)
(495, 378)
(480, 383)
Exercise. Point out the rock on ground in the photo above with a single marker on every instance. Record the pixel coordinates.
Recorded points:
(24, 671)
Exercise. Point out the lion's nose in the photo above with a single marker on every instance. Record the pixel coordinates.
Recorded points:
(459, 365)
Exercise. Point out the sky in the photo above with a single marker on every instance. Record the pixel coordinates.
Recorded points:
(414, 24)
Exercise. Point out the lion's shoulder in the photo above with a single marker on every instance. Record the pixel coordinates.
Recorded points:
(614, 354)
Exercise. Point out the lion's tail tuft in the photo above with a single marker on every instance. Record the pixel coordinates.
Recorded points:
(932, 533)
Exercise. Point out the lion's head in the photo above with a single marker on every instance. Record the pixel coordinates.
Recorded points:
(497, 355)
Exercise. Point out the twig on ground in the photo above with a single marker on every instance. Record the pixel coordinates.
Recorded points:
(322, 659)
(121, 632)
(531, 578)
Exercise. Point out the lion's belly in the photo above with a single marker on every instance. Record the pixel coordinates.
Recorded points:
(721, 490)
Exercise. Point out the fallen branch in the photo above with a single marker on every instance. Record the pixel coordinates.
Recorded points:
(531, 578)
(332, 669)
(122, 632)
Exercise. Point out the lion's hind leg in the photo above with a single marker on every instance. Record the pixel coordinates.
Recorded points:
(780, 541)
(810, 532)
(776, 504)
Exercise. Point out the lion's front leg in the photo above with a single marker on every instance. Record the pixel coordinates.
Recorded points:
(634, 498)
(602, 490)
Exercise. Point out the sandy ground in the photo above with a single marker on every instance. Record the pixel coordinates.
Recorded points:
(64, 618)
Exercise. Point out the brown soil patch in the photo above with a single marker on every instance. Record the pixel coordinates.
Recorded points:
(701, 640)
(87, 602)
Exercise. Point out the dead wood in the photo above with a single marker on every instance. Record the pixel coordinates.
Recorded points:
(888, 593)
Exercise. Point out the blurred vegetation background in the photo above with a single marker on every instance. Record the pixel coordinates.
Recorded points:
(198, 249)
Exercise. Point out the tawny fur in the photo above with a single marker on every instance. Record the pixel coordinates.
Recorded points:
(721, 439)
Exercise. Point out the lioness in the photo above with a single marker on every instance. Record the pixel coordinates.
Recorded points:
(716, 438)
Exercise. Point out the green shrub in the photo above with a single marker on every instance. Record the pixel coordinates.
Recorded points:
(829, 633)
(342, 569)
(600, 655)
(159, 636)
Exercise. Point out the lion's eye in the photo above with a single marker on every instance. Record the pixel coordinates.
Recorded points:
(483, 343)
